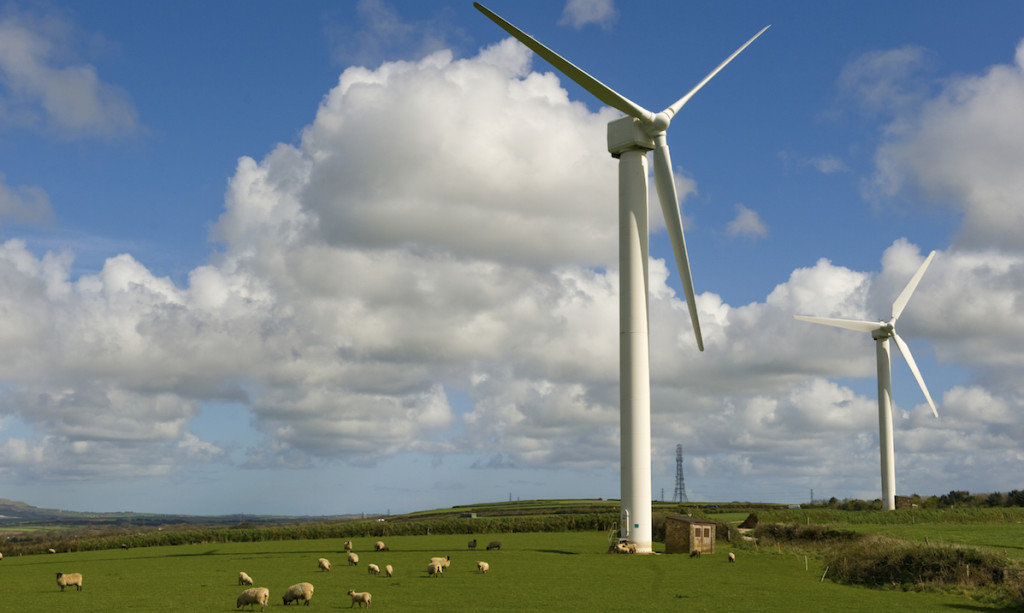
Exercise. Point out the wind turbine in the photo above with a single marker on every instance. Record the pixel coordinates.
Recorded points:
(629, 140)
(882, 331)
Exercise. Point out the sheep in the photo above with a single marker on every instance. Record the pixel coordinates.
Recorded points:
(623, 547)
(244, 579)
(388, 570)
(372, 569)
(51, 550)
(359, 597)
(445, 561)
(695, 553)
(348, 545)
(353, 559)
(435, 569)
(380, 546)
(324, 564)
(472, 544)
(483, 566)
(493, 545)
(732, 557)
(66, 579)
(252, 597)
(299, 591)
(1, 556)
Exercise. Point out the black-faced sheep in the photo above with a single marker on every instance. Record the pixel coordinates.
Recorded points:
(483, 566)
(472, 544)
(51, 550)
(353, 559)
(732, 557)
(66, 579)
(359, 597)
(299, 591)
(695, 553)
(373, 569)
(493, 545)
(348, 545)
(435, 569)
(244, 579)
(252, 597)
(445, 561)
(324, 564)
(380, 546)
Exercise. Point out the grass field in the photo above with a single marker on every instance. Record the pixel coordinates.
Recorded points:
(532, 572)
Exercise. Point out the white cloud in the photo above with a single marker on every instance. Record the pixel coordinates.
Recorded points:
(964, 149)
(41, 89)
(578, 13)
(25, 203)
(746, 223)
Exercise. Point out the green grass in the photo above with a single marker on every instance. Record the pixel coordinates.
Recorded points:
(532, 572)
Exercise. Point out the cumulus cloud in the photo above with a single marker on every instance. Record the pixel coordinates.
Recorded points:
(578, 13)
(747, 223)
(41, 88)
(415, 245)
(964, 149)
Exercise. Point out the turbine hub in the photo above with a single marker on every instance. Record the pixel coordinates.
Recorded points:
(886, 330)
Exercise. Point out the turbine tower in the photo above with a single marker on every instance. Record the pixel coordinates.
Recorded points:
(882, 331)
(680, 493)
(629, 140)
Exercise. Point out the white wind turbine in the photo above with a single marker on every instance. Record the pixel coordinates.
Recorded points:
(629, 140)
(882, 331)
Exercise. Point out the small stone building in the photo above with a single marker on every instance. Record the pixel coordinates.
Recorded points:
(685, 534)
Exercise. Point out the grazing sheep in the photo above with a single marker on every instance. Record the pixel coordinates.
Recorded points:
(695, 553)
(622, 547)
(445, 561)
(348, 545)
(483, 566)
(373, 569)
(380, 546)
(244, 579)
(353, 559)
(359, 597)
(124, 545)
(472, 544)
(388, 570)
(51, 550)
(493, 545)
(252, 597)
(732, 557)
(324, 564)
(435, 569)
(1, 556)
(66, 579)
(299, 591)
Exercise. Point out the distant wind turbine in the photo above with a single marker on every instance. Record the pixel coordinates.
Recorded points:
(882, 331)
(629, 140)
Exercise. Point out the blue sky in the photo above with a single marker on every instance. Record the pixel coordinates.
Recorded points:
(342, 257)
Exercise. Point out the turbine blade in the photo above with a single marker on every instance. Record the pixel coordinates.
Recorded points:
(672, 110)
(666, 185)
(601, 91)
(849, 324)
(904, 297)
(913, 368)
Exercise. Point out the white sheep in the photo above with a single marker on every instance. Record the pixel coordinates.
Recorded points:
(732, 557)
(348, 545)
(435, 569)
(380, 546)
(445, 561)
(244, 579)
(388, 570)
(66, 579)
(324, 564)
(252, 597)
(51, 550)
(299, 591)
(359, 597)
(373, 569)
(1, 556)
(353, 559)
(483, 566)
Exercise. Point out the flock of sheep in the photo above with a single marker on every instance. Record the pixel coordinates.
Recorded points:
(304, 591)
